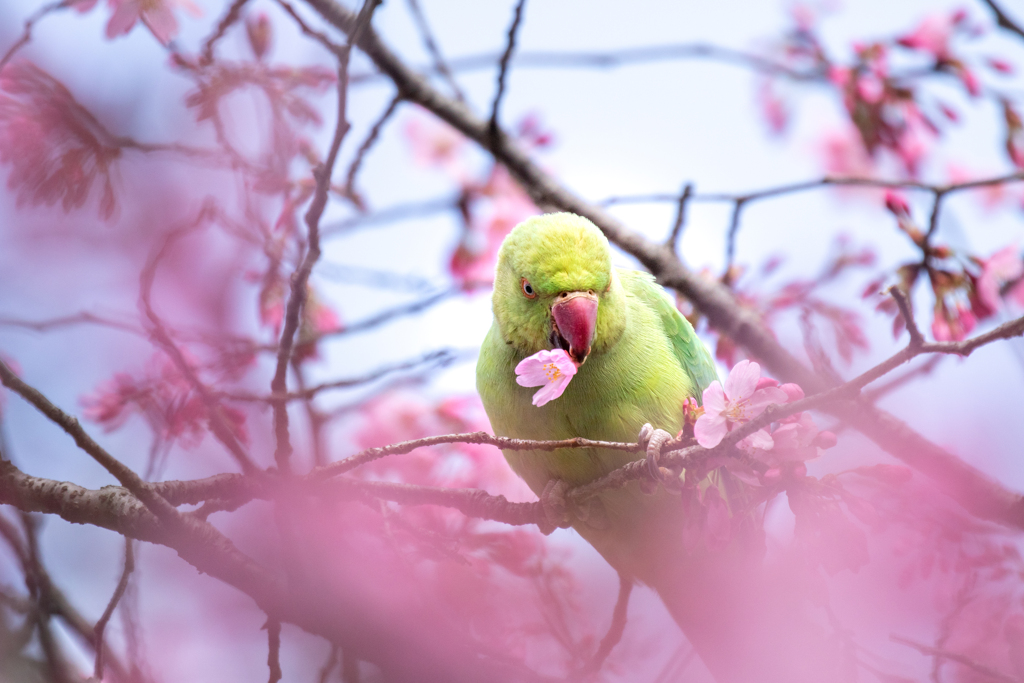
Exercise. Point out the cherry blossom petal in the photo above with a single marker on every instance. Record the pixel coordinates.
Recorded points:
(714, 398)
(742, 380)
(793, 392)
(760, 440)
(161, 22)
(710, 430)
(763, 398)
(124, 17)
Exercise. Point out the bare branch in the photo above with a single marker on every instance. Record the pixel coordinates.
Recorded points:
(680, 222)
(1003, 20)
(122, 584)
(730, 240)
(371, 454)
(391, 314)
(26, 34)
(958, 658)
(274, 649)
(159, 334)
(439, 358)
(615, 59)
(503, 70)
(300, 278)
(440, 66)
(84, 318)
(615, 631)
(230, 17)
(817, 184)
(903, 303)
(392, 214)
(371, 138)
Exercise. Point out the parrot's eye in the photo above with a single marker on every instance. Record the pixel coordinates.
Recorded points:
(528, 289)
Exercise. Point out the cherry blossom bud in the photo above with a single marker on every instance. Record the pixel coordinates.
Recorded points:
(766, 382)
(897, 204)
(258, 30)
(793, 391)
(825, 439)
(1000, 65)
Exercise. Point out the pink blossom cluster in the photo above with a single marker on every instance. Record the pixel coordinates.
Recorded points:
(755, 291)
(745, 395)
(57, 150)
(967, 288)
(883, 99)
(164, 398)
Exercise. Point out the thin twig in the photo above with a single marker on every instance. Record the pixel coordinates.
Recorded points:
(1003, 20)
(122, 584)
(328, 667)
(615, 630)
(907, 312)
(614, 59)
(274, 649)
(440, 66)
(26, 34)
(816, 184)
(371, 138)
(230, 17)
(84, 318)
(730, 240)
(503, 62)
(159, 334)
(309, 31)
(300, 279)
(680, 221)
(439, 358)
(955, 657)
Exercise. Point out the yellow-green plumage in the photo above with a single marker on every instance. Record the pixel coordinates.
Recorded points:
(645, 361)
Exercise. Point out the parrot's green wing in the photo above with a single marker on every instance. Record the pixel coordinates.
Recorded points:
(693, 355)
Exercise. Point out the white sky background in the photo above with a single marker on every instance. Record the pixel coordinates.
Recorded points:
(636, 129)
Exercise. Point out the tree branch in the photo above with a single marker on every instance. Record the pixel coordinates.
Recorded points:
(300, 278)
(1003, 20)
(493, 129)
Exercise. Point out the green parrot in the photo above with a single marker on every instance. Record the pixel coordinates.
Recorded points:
(638, 360)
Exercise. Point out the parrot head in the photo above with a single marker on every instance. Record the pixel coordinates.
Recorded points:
(555, 287)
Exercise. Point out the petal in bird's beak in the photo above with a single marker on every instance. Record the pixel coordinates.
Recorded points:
(574, 321)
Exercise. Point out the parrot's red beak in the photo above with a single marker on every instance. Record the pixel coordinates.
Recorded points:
(575, 320)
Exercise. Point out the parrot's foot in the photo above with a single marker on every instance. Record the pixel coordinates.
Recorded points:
(652, 440)
(555, 506)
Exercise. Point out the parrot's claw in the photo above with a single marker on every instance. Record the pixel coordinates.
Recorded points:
(653, 440)
(555, 506)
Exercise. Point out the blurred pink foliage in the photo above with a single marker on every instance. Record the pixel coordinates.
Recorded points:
(165, 398)
(157, 15)
(490, 207)
(57, 150)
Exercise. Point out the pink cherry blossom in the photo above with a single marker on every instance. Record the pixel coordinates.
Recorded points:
(932, 35)
(1001, 267)
(550, 370)
(436, 144)
(155, 14)
(738, 402)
